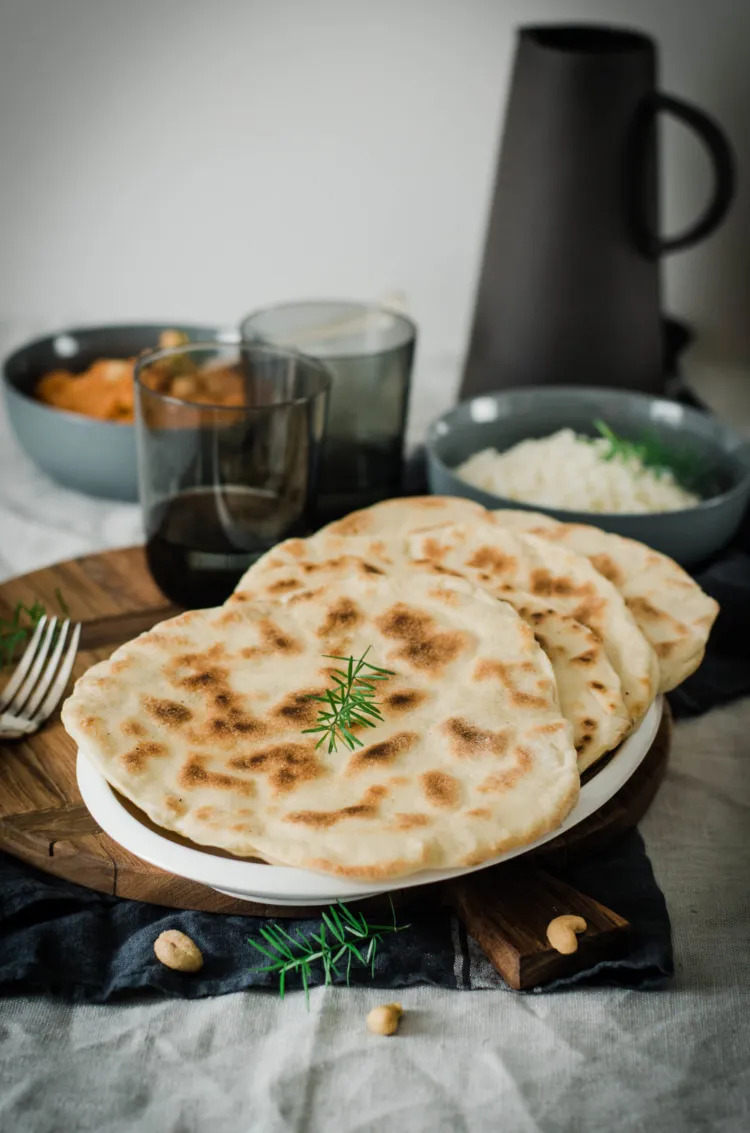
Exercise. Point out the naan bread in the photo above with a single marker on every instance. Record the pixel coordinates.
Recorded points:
(671, 610)
(590, 694)
(407, 515)
(200, 723)
(508, 563)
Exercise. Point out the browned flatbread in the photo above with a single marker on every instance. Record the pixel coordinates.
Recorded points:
(200, 723)
(509, 563)
(671, 610)
(404, 516)
(568, 582)
(590, 690)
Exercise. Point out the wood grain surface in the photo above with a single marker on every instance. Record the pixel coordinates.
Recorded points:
(507, 911)
(44, 822)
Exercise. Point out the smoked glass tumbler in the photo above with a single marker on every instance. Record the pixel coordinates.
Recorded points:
(229, 440)
(369, 351)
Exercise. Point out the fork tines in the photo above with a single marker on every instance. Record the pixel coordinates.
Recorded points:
(42, 673)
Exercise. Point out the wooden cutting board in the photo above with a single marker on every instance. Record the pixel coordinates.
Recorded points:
(44, 822)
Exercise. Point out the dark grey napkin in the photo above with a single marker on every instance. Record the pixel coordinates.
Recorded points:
(86, 947)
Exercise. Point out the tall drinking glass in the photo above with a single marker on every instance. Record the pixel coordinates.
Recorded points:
(369, 351)
(228, 449)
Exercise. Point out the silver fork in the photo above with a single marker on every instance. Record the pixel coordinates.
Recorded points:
(40, 679)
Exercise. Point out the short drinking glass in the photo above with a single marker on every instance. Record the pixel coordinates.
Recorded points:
(369, 351)
(228, 449)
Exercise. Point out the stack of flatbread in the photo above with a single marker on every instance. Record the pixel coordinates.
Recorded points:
(520, 652)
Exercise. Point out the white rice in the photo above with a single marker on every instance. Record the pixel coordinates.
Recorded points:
(567, 471)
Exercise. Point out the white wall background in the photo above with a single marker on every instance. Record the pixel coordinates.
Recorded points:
(198, 158)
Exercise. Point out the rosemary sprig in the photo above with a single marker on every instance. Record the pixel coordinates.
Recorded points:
(352, 701)
(343, 936)
(652, 453)
(17, 630)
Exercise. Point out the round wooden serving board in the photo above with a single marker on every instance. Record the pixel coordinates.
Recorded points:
(42, 818)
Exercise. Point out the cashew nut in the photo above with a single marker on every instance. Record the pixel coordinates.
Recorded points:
(385, 1020)
(178, 951)
(561, 933)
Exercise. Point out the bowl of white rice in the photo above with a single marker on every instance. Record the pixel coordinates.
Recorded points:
(645, 467)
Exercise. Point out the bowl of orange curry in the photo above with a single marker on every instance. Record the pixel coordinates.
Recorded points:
(70, 400)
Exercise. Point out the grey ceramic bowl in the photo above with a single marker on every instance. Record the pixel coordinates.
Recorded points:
(502, 419)
(95, 457)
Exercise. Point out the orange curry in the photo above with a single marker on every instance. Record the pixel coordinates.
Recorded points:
(105, 389)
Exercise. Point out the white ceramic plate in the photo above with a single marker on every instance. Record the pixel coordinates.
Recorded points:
(283, 885)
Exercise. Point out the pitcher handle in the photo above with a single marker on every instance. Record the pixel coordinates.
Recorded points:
(722, 157)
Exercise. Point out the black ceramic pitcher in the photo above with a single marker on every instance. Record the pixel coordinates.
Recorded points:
(570, 284)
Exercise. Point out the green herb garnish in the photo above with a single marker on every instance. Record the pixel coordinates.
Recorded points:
(351, 702)
(17, 630)
(343, 936)
(652, 453)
